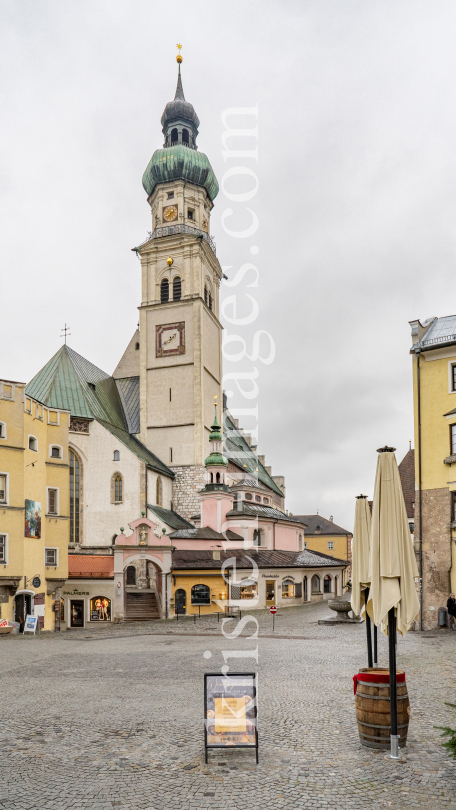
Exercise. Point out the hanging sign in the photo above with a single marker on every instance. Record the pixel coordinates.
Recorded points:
(30, 624)
(230, 708)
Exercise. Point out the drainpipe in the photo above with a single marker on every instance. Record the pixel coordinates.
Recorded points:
(420, 499)
(273, 534)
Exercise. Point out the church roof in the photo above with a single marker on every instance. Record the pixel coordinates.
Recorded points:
(128, 388)
(241, 454)
(70, 382)
(180, 163)
(171, 518)
(407, 476)
(257, 510)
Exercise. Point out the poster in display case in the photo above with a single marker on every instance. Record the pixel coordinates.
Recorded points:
(230, 711)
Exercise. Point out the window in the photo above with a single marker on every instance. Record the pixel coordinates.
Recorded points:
(3, 549)
(3, 488)
(75, 485)
(177, 289)
(185, 137)
(136, 346)
(170, 454)
(316, 584)
(201, 595)
(170, 395)
(53, 501)
(164, 291)
(100, 609)
(116, 455)
(300, 546)
(210, 301)
(257, 499)
(206, 296)
(453, 439)
(190, 213)
(259, 537)
(453, 507)
(305, 544)
(174, 136)
(53, 418)
(248, 496)
(33, 444)
(50, 556)
(249, 591)
(159, 492)
(330, 545)
(2, 430)
(265, 500)
(28, 402)
(131, 575)
(327, 584)
(287, 589)
(118, 488)
(56, 451)
(170, 195)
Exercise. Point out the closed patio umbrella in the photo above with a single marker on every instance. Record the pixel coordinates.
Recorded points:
(392, 567)
(360, 568)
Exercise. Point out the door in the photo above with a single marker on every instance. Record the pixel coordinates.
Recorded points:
(22, 608)
(305, 589)
(77, 613)
(179, 601)
(270, 592)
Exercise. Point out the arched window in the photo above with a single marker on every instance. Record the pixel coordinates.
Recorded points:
(258, 537)
(118, 488)
(177, 289)
(136, 346)
(315, 584)
(174, 136)
(257, 499)
(217, 478)
(327, 584)
(210, 300)
(265, 500)
(248, 496)
(75, 489)
(100, 609)
(185, 137)
(201, 595)
(33, 444)
(206, 295)
(164, 291)
(131, 575)
(287, 589)
(159, 492)
(116, 455)
(304, 582)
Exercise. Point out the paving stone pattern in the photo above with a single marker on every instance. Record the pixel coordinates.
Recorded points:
(112, 718)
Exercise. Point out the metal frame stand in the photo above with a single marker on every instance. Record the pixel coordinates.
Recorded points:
(368, 630)
(375, 646)
(394, 737)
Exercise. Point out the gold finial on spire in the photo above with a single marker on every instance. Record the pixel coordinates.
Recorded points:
(215, 396)
(179, 57)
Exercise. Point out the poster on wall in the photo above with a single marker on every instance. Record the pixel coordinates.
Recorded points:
(230, 708)
(32, 518)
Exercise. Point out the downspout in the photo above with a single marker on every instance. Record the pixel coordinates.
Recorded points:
(420, 499)
(273, 534)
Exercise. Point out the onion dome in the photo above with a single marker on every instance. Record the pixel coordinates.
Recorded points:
(216, 458)
(180, 163)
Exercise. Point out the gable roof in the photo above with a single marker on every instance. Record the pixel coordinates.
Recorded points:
(312, 521)
(70, 382)
(183, 559)
(239, 452)
(407, 476)
(170, 517)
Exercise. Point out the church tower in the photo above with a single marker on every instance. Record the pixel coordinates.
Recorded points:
(180, 332)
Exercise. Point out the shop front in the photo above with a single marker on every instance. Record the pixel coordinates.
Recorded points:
(88, 603)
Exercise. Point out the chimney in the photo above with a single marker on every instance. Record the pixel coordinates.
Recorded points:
(216, 555)
(262, 460)
(331, 518)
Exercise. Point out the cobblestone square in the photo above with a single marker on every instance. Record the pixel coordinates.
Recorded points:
(112, 718)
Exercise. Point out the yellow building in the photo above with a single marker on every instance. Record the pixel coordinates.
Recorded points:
(34, 506)
(325, 537)
(434, 393)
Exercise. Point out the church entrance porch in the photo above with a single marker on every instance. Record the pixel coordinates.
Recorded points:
(141, 606)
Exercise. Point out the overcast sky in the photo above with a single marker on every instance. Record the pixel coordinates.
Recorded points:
(356, 202)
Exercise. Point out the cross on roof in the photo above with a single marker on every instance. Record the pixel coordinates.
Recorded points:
(66, 331)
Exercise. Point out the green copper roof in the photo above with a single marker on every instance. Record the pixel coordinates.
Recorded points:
(241, 454)
(216, 460)
(180, 163)
(70, 382)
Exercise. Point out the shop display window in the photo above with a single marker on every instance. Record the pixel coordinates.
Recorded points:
(201, 595)
(100, 609)
(287, 588)
(249, 591)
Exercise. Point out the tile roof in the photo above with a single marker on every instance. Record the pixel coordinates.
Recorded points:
(240, 453)
(70, 382)
(255, 510)
(312, 521)
(407, 475)
(263, 558)
(128, 388)
(97, 566)
(205, 533)
(170, 517)
(249, 481)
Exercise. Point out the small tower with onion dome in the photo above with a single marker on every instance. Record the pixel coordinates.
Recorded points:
(216, 497)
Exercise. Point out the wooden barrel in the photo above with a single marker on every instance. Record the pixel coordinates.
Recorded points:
(373, 711)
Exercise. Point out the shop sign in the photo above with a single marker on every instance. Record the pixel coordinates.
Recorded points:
(270, 576)
(76, 593)
(230, 709)
(30, 624)
(36, 582)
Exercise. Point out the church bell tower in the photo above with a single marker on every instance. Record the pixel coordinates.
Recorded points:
(180, 345)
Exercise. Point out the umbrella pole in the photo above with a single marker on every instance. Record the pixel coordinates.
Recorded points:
(394, 737)
(368, 630)
(375, 646)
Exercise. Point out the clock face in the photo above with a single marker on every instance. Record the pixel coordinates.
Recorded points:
(170, 213)
(169, 339)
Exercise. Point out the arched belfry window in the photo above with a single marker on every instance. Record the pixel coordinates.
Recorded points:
(185, 138)
(210, 300)
(164, 291)
(206, 296)
(174, 136)
(75, 497)
(177, 289)
(159, 492)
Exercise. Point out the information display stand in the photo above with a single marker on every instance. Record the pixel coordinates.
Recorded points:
(230, 711)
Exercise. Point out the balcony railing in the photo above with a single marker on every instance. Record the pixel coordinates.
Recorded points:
(170, 230)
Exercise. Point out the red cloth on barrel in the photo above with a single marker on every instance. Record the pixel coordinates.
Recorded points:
(376, 677)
